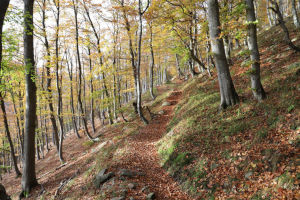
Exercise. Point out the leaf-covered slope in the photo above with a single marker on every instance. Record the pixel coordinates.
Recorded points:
(248, 151)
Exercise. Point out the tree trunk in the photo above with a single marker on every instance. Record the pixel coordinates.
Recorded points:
(70, 71)
(256, 86)
(138, 66)
(295, 14)
(178, 66)
(91, 91)
(49, 79)
(8, 135)
(228, 94)
(29, 177)
(81, 109)
(152, 61)
(59, 95)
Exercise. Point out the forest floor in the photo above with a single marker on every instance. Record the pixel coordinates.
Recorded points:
(133, 146)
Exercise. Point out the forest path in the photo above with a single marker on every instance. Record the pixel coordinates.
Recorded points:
(143, 157)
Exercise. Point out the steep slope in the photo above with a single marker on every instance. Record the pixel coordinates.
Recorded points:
(249, 151)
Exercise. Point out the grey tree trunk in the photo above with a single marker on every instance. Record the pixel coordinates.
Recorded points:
(138, 66)
(269, 14)
(178, 66)
(295, 14)
(58, 86)
(228, 94)
(70, 71)
(91, 91)
(152, 61)
(81, 109)
(29, 177)
(49, 79)
(3, 8)
(256, 86)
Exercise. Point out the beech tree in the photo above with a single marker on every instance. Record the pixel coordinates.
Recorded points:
(228, 94)
(29, 177)
(256, 86)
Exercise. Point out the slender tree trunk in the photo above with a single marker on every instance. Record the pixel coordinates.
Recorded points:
(228, 94)
(70, 71)
(80, 104)
(58, 86)
(178, 66)
(91, 91)
(295, 14)
(152, 63)
(29, 177)
(49, 79)
(138, 67)
(256, 86)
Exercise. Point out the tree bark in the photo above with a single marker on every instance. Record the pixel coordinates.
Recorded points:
(152, 63)
(58, 86)
(295, 14)
(91, 91)
(80, 104)
(228, 94)
(138, 66)
(29, 177)
(256, 86)
(49, 79)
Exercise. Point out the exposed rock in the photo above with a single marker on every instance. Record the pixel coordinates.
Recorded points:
(102, 178)
(151, 196)
(3, 195)
(161, 112)
(99, 147)
(294, 40)
(131, 185)
(128, 173)
(102, 172)
(166, 103)
(248, 175)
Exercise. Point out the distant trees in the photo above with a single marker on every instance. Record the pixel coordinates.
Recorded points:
(3, 8)
(277, 9)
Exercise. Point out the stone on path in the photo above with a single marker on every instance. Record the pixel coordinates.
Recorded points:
(102, 178)
(166, 103)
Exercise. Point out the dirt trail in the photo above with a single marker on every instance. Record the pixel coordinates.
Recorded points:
(143, 157)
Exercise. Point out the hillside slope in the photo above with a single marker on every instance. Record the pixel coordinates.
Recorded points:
(249, 151)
